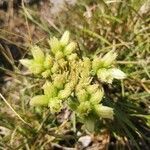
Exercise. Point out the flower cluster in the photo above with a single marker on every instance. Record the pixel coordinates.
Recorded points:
(72, 81)
(103, 68)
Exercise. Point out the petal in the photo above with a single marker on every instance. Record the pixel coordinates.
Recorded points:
(97, 96)
(65, 38)
(55, 45)
(26, 62)
(48, 63)
(37, 54)
(109, 58)
(117, 73)
(70, 48)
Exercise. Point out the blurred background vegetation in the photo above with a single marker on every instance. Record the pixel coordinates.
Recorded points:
(98, 26)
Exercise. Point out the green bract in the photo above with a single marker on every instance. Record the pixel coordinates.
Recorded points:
(72, 81)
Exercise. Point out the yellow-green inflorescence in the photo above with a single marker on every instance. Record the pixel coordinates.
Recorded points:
(72, 81)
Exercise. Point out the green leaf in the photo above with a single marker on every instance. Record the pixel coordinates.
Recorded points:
(90, 123)
(124, 121)
(73, 103)
(129, 135)
(84, 108)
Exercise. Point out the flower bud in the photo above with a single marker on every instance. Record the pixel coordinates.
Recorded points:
(84, 108)
(69, 48)
(62, 63)
(70, 85)
(65, 38)
(104, 75)
(59, 55)
(109, 58)
(117, 74)
(38, 54)
(55, 105)
(59, 81)
(64, 94)
(97, 97)
(49, 89)
(92, 88)
(104, 111)
(82, 95)
(40, 100)
(48, 63)
(96, 64)
(85, 67)
(55, 68)
(36, 68)
(87, 63)
(55, 45)
(26, 62)
(72, 57)
(46, 73)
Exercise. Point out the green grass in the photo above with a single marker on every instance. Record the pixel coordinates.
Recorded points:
(118, 25)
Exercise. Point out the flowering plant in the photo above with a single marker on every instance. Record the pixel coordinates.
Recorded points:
(72, 81)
